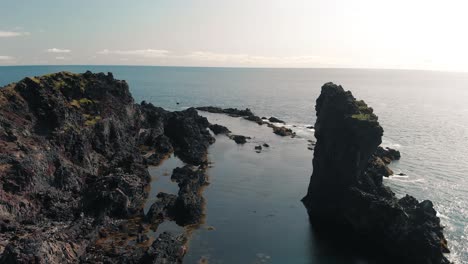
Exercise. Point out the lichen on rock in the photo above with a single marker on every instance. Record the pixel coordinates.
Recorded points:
(346, 197)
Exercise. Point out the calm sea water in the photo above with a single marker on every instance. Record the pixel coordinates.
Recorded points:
(253, 209)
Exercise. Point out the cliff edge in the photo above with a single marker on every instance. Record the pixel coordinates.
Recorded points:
(346, 196)
(74, 151)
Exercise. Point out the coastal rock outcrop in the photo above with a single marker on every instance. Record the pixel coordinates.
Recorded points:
(346, 197)
(239, 139)
(234, 112)
(188, 207)
(247, 114)
(275, 120)
(74, 151)
(219, 129)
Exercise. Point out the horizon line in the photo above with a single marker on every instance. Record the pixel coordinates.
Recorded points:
(236, 67)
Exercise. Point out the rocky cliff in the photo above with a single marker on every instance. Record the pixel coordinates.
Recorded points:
(73, 169)
(346, 197)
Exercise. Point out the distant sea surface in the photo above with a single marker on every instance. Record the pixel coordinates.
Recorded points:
(254, 214)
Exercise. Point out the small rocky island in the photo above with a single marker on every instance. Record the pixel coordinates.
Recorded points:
(75, 151)
(347, 200)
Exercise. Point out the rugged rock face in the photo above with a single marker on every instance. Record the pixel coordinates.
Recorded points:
(346, 196)
(166, 249)
(74, 149)
(185, 208)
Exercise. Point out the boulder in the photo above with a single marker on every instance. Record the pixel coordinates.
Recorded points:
(219, 129)
(239, 139)
(276, 120)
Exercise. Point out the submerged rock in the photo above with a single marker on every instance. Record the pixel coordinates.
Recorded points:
(346, 197)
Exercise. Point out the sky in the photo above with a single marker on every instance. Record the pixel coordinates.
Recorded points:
(397, 34)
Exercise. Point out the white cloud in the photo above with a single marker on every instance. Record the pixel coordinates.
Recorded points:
(12, 34)
(60, 58)
(147, 53)
(253, 59)
(6, 58)
(55, 50)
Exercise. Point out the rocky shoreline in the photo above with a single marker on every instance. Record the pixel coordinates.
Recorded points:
(347, 200)
(74, 175)
(73, 171)
(247, 114)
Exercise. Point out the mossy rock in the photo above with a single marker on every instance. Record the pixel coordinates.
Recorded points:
(81, 102)
(91, 120)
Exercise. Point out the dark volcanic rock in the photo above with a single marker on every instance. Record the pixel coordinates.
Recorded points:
(188, 207)
(74, 149)
(347, 199)
(255, 119)
(229, 111)
(239, 139)
(166, 249)
(189, 135)
(276, 120)
(219, 129)
(282, 131)
(161, 209)
(387, 154)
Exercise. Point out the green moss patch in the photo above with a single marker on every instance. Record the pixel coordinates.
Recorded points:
(81, 102)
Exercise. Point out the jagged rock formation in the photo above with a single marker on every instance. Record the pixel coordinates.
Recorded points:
(74, 149)
(219, 129)
(346, 197)
(247, 114)
(185, 208)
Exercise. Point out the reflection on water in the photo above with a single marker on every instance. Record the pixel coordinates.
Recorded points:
(161, 179)
(253, 201)
(161, 182)
(166, 226)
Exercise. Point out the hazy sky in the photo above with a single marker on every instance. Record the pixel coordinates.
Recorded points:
(415, 34)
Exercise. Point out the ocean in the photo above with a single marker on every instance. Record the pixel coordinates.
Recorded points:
(254, 213)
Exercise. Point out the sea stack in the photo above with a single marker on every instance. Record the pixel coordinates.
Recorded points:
(346, 197)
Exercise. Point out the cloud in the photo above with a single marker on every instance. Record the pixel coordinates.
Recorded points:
(60, 58)
(6, 58)
(252, 59)
(215, 59)
(55, 50)
(12, 34)
(147, 53)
